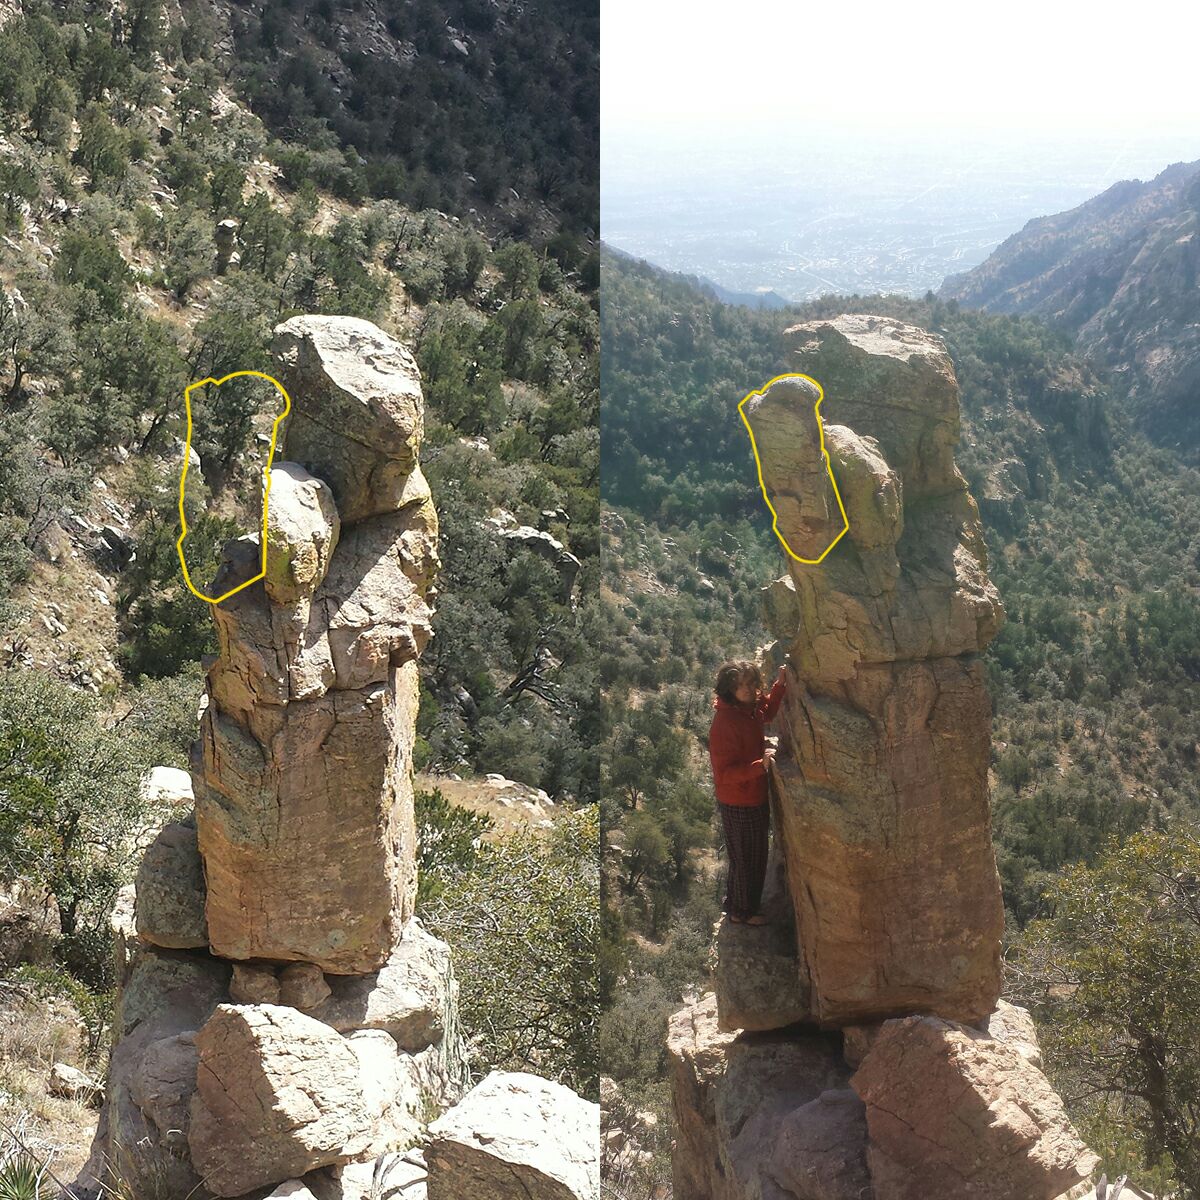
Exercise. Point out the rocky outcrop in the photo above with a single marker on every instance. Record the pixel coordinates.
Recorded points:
(553, 551)
(952, 1112)
(855, 1048)
(800, 487)
(412, 997)
(741, 1101)
(278, 1094)
(311, 704)
(141, 1138)
(760, 981)
(357, 414)
(516, 1137)
(313, 695)
(170, 890)
(281, 1013)
(883, 797)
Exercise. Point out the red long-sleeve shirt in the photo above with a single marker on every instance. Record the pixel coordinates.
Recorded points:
(735, 746)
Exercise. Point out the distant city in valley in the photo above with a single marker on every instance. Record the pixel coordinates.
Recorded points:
(819, 212)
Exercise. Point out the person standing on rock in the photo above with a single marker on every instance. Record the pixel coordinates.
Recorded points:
(740, 762)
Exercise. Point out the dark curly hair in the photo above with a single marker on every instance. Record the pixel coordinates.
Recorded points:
(731, 676)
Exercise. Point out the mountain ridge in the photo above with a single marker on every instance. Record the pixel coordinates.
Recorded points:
(1118, 274)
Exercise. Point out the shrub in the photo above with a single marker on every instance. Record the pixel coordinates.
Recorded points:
(523, 924)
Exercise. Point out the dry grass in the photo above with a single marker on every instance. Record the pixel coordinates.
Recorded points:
(34, 1035)
(479, 796)
(71, 583)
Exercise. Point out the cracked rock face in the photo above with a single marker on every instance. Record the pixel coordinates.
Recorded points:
(759, 979)
(357, 412)
(762, 1116)
(516, 1137)
(952, 1112)
(884, 812)
(142, 1132)
(278, 1094)
(170, 890)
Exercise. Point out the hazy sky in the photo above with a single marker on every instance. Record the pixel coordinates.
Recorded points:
(1021, 62)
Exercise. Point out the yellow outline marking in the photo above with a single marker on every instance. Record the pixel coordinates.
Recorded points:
(762, 391)
(187, 449)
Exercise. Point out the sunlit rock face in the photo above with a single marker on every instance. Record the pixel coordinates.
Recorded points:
(854, 1048)
(883, 782)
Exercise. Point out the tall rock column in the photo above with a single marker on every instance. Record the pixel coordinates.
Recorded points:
(281, 1015)
(918, 1082)
(883, 801)
(303, 765)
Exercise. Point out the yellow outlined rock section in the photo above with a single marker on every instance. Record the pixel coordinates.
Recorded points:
(187, 447)
(824, 455)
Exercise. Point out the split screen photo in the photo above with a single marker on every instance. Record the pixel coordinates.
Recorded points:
(599, 601)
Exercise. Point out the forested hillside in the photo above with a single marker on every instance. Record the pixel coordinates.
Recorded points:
(463, 105)
(1118, 274)
(155, 231)
(1094, 538)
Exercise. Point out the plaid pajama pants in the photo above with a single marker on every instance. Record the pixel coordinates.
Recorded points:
(746, 831)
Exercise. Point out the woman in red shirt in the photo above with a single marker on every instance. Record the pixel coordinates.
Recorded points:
(740, 762)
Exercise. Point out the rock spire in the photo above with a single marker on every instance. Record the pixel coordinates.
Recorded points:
(281, 1012)
(857, 1048)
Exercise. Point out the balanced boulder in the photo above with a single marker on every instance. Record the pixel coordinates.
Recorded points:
(357, 412)
(278, 1094)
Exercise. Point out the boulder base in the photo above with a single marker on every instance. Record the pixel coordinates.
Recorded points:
(950, 1112)
(279, 1094)
(516, 1137)
(741, 1101)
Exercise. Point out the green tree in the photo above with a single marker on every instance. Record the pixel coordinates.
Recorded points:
(645, 850)
(190, 253)
(103, 149)
(265, 236)
(1114, 977)
(131, 367)
(448, 842)
(99, 66)
(460, 371)
(19, 70)
(519, 269)
(52, 112)
(523, 925)
(70, 788)
(20, 181)
(35, 334)
(144, 29)
(226, 184)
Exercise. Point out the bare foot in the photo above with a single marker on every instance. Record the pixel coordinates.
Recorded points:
(736, 920)
(757, 919)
